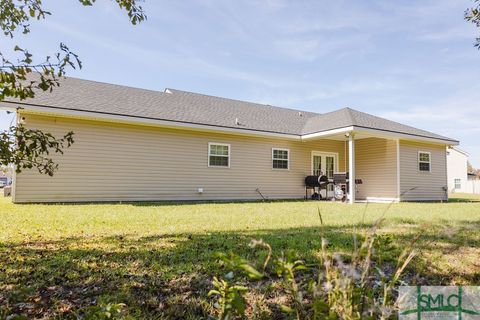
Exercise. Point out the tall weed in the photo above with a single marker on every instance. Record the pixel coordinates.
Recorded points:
(338, 286)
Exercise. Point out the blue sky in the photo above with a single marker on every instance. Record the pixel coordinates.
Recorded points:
(409, 61)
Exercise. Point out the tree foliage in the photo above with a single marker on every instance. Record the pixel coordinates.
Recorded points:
(30, 148)
(20, 146)
(473, 15)
(15, 16)
(472, 169)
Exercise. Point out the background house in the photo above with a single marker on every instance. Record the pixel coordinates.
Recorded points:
(457, 169)
(459, 179)
(472, 176)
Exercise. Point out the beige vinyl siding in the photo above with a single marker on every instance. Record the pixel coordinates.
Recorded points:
(429, 186)
(376, 165)
(119, 162)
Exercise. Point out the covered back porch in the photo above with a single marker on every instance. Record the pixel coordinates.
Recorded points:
(373, 161)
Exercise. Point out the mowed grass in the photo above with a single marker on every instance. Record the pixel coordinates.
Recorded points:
(59, 260)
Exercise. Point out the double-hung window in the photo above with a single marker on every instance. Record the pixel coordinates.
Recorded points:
(218, 155)
(424, 161)
(458, 183)
(280, 158)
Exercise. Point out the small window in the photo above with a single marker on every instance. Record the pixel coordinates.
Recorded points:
(458, 183)
(424, 161)
(218, 155)
(280, 158)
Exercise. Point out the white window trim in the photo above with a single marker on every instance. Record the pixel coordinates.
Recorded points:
(323, 153)
(215, 155)
(429, 162)
(288, 159)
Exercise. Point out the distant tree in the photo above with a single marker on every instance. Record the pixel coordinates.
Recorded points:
(470, 167)
(473, 15)
(19, 146)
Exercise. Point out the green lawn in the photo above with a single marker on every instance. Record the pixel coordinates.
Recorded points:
(57, 260)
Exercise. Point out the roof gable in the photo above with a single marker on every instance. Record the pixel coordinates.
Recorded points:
(347, 117)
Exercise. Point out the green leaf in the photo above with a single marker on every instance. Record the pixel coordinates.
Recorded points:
(251, 272)
(240, 288)
(213, 292)
(286, 309)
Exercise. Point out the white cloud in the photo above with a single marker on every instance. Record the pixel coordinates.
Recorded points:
(314, 47)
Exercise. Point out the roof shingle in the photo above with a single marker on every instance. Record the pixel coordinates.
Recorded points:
(187, 107)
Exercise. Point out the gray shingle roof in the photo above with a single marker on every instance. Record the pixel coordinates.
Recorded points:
(349, 117)
(188, 107)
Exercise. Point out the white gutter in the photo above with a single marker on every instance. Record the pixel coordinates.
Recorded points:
(7, 108)
(56, 112)
(398, 135)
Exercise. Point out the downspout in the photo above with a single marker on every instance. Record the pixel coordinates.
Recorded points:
(399, 187)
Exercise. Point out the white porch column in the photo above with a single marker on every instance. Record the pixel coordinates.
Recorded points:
(351, 167)
(399, 190)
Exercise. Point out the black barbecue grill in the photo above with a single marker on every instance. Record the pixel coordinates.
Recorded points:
(315, 183)
(339, 180)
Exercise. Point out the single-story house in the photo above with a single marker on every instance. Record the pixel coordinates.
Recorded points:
(472, 176)
(457, 164)
(142, 145)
